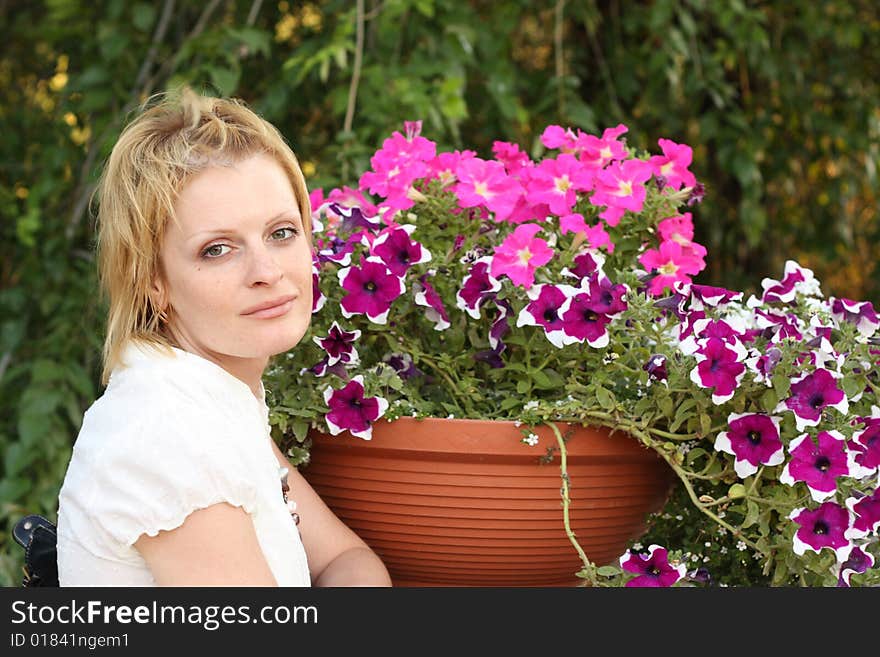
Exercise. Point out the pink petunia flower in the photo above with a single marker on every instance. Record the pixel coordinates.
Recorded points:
(673, 165)
(556, 183)
(672, 264)
(520, 254)
(483, 183)
(620, 187)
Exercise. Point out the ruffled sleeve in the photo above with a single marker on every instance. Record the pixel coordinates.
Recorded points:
(158, 470)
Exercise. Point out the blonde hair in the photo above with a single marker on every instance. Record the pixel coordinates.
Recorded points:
(174, 137)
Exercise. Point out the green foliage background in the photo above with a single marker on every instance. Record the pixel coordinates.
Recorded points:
(779, 99)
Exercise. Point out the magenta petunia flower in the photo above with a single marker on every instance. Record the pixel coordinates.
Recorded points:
(500, 326)
(478, 286)
(606, 298)
(655, 366)
(543, 310)
(810, 394)
(673, 164)
(520, 254)
(425, 295)
(653, 569)
(817, 465)
(819, 528)
(318, 298)
(339, 345)
(719, 367)
(860, 313)
(351, 411)
(856, 562)
(585, 263)
(371, 289)
(866, 445)
(866, 510)
(582, 322)
(395, 248)
(753, 438)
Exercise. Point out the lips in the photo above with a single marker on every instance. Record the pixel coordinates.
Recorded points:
(266, 305)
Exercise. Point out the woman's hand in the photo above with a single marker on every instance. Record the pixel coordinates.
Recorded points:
(337, 556)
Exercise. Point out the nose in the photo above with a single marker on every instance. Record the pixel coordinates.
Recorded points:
(263, 267)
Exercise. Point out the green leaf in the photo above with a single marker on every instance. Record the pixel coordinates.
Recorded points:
(523, 386)
(769, 400)
(736, 491)
(605, 398)
(541, 379)
(665, 404)
(142, 16)
(608, 571)
(225, 79)
(752, 514)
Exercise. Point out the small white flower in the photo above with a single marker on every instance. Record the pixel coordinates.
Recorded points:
(637, 546)
(531, 439)
(740, 545)
(530, 405)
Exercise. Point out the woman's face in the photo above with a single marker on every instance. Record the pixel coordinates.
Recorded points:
(239, 247)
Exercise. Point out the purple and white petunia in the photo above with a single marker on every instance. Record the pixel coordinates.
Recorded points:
(866, 510)
(351, 411)
(817, 465)
(820, 528)
(655, 366)
(795, 279)
(706, 295)
(866, 445)
(318, 298)
(720, 367)
(477, 287)
(339, 345)
(810, 394)
(857, 561)
(425, 295)
(582, 322)
(860, 313)
(371, 289)
(753, 438)
(395, 248)
(544, 309)
(653, 569)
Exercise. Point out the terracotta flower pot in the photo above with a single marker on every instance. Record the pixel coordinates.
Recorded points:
(453, 502)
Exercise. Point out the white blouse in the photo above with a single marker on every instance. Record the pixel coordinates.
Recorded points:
(169, 436)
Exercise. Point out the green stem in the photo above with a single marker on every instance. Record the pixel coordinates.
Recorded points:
(589, 566)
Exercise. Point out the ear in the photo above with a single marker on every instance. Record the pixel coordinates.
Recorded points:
(159, 292)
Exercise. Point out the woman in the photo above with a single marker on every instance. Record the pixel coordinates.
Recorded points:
(204, 250)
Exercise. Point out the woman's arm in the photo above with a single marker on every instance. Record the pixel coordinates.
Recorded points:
(337, 556)
(215, 546)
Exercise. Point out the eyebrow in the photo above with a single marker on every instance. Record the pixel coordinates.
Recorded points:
(294, 213)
